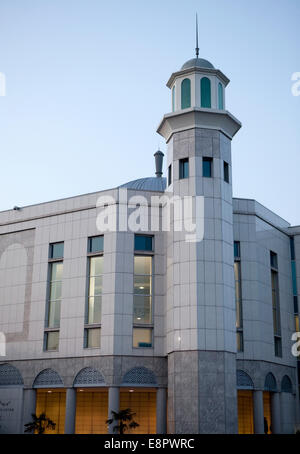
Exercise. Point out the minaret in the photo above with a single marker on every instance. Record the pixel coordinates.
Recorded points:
(200, 301)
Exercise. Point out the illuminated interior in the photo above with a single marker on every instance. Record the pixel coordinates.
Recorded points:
(245, 412)
(52, 402)
(91, 411)
(143, 403)
(267, 409)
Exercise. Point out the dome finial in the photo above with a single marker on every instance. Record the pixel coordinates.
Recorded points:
(197, 45)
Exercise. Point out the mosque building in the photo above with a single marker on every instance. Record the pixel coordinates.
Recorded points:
(192, 333)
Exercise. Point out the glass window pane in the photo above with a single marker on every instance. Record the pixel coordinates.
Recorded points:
(205, 92)
(237, 249)
(226, 172)
(297, 325)
(292, 243)
(54, 314)
(220, 96)
(142, 337)
(93, 337)
(207, 167)
(96, 244)
(56, 271)
(294, 278)
(95, 286)
(239, 338)
(55, 291)
(94, 310)
(142, 265)
(185, 94)
(169, 175)
(142, 285)
(273, 259)
(56, 250)
(183, 168)
(143, 243)
(52, 340)
(142, 311)
(96, 266)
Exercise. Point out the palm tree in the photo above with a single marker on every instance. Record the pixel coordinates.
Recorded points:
(39, 424)
(121, 418)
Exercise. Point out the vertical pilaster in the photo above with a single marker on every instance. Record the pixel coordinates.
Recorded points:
(113, 405)
(29, 405)
(161, 411)
(287, 412)
(258, 412)
(70, 411)
(275, 413)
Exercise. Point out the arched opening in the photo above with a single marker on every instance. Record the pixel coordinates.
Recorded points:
(185, 94)
(245, 403)
(220, 96)
(205, 92)
(51, 398)
(138, 393)
(91, 402)
(173, 99)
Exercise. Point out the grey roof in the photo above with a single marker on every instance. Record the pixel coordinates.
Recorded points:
(198, 62)
(147, 184)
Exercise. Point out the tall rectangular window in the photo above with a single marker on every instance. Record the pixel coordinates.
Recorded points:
(226, 172)
(169, 175)
(54, 293)
(295, 292)
(94, 297)
(207, 167)
(275, 304)
(238, 297)
(183, 168)
(142, 294)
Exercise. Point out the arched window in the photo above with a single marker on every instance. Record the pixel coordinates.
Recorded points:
(173, 99)
(220, 96)
(185, 93)
(205, 92)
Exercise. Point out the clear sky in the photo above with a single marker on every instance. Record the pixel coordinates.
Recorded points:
(85, 92)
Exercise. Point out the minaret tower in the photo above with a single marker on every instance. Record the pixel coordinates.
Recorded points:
(200, 301)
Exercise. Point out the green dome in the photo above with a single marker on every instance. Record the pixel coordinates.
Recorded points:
(198, 62)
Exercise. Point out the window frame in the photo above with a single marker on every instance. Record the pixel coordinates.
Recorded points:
(150, 326)
(47, 328)
(210, 161)
(89, 326)
(240, 328)
(182, 163)
(226, 173)
(276, 312)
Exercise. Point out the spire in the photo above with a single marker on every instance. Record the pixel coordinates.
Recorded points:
(197, 45)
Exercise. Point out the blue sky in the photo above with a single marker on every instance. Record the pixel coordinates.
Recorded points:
(85, 92)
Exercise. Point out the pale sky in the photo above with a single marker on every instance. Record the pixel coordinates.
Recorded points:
(86, 90)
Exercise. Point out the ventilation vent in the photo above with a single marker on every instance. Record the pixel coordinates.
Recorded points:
(139, 376)
(48, 378)
(286, 385)
(243, 380)
(270, 383)
(89, 377)
(10, 376)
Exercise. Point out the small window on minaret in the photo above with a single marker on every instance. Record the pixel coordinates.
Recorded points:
(207, 167)
(169, 175)
(226, 172)
(183, 168)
